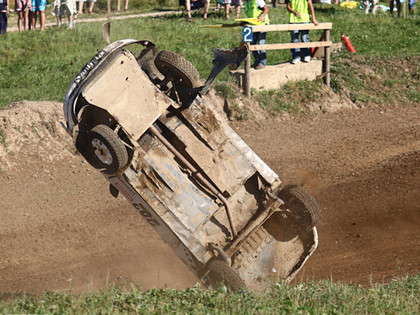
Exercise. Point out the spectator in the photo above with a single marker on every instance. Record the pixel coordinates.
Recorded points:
(411, 7)
(91, 4)
(22, 7)
(226, 4)
(4, 11)
(391, 7)
(119, 4)
(38, 6)
(258, 9)
(237, 4)
(370, 6)
(188, 7)
(300, 11)
(62, 7)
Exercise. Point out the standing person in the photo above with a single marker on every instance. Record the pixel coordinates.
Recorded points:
(411, 7)
(119, 4)
(188, 7)
(4, 11)
(226, 4)
(91, 5)
(67, 7)
(258, 9)
(300, 12)
(22, 7)
(370, 6)
(391, 7)
(238, 5)
(38, 6)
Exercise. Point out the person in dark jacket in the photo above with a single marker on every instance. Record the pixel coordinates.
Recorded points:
(4, 11)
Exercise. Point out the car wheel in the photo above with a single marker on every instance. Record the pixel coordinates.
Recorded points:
(218, 273)
(180, 70)
(301, 203)
(107, 149)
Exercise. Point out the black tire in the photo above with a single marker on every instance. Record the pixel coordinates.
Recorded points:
(298, 200)
(180, 70)
(107, 150)
(218, 273)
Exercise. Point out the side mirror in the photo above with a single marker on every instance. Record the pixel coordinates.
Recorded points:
(113, 190)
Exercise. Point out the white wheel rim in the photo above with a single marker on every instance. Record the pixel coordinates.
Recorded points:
(101, 151)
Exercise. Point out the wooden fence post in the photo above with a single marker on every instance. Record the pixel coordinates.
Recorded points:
(327, 59)
(247, 85)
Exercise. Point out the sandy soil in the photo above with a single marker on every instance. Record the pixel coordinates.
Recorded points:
(60, 228)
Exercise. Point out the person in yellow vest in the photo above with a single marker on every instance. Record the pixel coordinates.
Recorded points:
(258, 9)
(300, 11)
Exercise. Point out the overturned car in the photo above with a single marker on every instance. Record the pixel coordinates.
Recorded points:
(137, 115)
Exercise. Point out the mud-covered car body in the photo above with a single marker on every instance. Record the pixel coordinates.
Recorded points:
(142, 122)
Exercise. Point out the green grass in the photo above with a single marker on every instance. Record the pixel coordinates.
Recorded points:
(401, 296)
(225, 90)
(292, 97)
(370, 80)
(40, 65)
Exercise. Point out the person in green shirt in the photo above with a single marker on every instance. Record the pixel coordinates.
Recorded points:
(258, 9)
(300, 11)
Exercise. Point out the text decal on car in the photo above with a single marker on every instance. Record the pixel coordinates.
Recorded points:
(136, 200)
(88, 67)
(146, 214)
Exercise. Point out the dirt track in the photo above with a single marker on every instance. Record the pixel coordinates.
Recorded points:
(60, 228)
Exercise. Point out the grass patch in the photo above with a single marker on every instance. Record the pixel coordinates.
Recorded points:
(369, 80)
(324, 297)
(226, 90)
(292, 97)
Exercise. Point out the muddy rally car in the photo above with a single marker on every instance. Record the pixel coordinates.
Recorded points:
(137, 115)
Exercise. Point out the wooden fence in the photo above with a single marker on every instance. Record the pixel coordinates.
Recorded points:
(324, 42)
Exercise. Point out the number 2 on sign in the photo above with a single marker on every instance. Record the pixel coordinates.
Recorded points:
(247, 34)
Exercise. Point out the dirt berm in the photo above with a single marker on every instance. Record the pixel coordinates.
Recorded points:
(60, 228)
